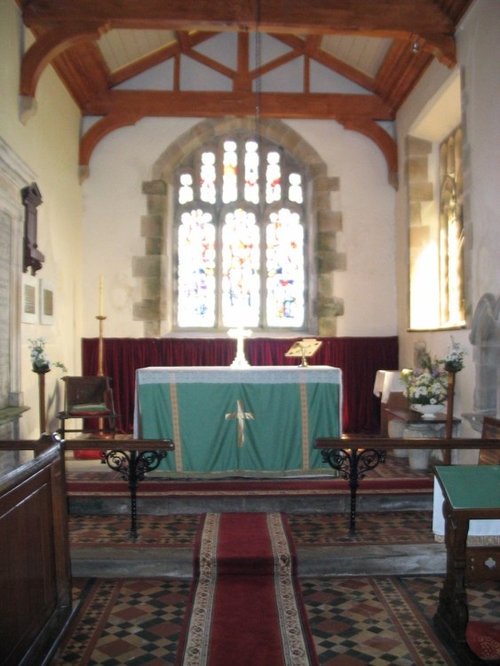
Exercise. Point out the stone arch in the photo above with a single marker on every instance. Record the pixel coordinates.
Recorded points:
(152, 268)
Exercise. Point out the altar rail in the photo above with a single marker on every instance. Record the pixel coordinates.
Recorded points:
(358, 358)
(387, 443)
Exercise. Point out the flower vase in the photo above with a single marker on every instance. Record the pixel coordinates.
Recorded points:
(41, 369)
(429, 411)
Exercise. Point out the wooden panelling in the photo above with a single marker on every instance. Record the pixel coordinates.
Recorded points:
(34, 561)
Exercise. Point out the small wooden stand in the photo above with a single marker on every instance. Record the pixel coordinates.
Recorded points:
(41, 398)
(449, 415)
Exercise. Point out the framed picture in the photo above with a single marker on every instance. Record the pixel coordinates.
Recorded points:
(29, 299)
(46, 302)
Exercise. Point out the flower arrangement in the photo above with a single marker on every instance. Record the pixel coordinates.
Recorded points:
(454, 360)
(427, 385)
(39, 361)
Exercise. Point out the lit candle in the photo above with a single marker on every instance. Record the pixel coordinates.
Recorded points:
(101, 296)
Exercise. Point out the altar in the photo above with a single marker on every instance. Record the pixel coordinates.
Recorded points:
(230, 420)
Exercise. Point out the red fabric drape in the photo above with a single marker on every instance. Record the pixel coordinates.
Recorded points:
(358, 358)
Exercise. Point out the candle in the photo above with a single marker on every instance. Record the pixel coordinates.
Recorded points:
(101, 296)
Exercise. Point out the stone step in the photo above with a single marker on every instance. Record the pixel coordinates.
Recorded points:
(369, 560)
(164, 505)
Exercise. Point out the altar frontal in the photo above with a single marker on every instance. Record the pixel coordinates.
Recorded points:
(229, 420)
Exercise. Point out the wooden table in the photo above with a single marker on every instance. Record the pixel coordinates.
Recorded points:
(470, 492)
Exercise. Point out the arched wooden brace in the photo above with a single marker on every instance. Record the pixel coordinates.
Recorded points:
(383, 140)
(40, 54)
(98, 131)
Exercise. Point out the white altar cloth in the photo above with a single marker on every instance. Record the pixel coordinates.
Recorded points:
(387, 382)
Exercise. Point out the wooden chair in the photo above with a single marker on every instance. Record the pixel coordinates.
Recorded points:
(91, 400)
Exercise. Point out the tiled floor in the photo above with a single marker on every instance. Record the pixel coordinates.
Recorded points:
(316, 529)
(354, 620)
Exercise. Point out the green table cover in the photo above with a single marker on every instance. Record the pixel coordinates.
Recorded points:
(262, 419)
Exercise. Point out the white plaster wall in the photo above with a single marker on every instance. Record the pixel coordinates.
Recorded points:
(367, 239)
(478, 58)
(114, 205)
(48, 143)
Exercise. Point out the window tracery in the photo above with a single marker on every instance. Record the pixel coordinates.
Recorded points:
(240, 238)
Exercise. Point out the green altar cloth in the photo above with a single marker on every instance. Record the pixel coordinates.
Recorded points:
(263, 419)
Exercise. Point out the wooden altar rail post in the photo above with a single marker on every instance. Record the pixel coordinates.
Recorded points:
(131, 458)
(354, 445)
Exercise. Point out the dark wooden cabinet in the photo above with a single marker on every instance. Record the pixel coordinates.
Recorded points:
(35, 573)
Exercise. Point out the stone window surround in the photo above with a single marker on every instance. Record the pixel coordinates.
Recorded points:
(153, 266)
(484, 321)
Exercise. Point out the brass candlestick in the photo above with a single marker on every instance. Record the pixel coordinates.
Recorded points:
(100, 358)
(100, 348)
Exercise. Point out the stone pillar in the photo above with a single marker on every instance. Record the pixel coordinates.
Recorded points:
(485, 338)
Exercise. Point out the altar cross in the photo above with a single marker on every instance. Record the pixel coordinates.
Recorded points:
(241, 416)
(240, 334)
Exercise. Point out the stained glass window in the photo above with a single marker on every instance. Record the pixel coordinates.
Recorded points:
(240, 238)
(252, 172)
(285, 269)
(229, 182)
(240, 269)
(196, 274)
(207, 178)
(273, 177)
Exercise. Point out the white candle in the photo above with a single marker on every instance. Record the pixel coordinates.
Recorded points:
(101, 296)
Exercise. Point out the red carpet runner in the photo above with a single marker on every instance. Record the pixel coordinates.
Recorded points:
(246, 604)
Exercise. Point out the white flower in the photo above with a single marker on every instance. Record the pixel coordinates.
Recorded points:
(39, 360)
(427, 385)
(454, 360)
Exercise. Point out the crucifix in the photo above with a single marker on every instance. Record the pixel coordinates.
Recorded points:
(240, 334)
(241, 416)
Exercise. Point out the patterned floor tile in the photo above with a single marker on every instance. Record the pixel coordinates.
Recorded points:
(354, 620)
(172, 531)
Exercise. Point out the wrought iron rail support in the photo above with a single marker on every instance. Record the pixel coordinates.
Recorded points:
(352, 465)
(133, 467)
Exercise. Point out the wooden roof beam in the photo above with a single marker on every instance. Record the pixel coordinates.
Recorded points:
(330, 106)
(313, 16)
(346, 106)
